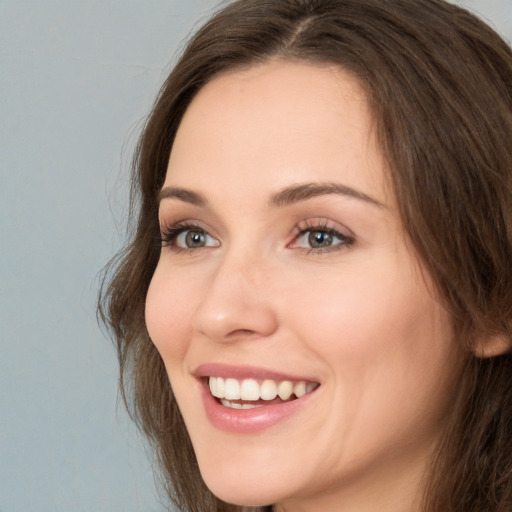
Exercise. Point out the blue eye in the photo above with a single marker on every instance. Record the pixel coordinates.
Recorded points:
(321, 238)
(193, 239)
(187, 237)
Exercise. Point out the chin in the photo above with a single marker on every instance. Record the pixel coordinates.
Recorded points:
(244, 486)
(237, 494)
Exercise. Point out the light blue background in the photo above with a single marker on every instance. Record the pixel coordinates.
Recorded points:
(76, 78)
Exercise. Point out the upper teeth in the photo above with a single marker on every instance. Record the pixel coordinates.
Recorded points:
(251, 389)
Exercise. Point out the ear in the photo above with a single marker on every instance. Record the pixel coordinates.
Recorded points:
(492, 346)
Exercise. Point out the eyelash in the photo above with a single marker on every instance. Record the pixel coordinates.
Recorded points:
(169, 236)
(321, 227)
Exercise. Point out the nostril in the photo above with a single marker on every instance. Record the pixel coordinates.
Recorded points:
(242, 333)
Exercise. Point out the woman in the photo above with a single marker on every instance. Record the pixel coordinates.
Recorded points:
(315, 311)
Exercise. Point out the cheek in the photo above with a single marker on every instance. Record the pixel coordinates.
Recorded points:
(168, 316)
(388, 352)
(381, 326)
(355, 313)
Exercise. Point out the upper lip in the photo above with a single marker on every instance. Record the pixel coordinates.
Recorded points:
(246, 372)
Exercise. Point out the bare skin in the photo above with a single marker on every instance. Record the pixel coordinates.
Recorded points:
(260, 271)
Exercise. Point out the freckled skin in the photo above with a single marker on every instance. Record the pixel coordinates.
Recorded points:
(360, 318)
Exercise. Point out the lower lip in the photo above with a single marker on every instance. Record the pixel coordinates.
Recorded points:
(249, 421)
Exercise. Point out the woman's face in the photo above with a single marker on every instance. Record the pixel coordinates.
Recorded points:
(285, 269)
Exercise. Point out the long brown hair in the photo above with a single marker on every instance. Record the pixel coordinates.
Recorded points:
(439, 82)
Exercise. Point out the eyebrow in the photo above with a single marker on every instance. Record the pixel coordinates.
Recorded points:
(302, 192)
(284, 197)
(182, 194)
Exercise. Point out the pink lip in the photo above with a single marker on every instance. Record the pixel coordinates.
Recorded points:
(244, 372)
(246, 421)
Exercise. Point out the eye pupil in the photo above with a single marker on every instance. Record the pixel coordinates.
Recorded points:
(195, 239)
(319, 239)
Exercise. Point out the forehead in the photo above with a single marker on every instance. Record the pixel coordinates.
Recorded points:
(292, 120)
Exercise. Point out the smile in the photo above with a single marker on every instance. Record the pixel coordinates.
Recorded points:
(248, 400)
(251, 393)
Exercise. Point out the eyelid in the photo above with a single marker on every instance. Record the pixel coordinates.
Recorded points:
(170, 232)
(343, 234)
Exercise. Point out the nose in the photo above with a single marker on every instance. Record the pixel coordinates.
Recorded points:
(237, 304)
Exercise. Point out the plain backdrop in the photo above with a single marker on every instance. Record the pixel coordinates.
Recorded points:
(76, 79)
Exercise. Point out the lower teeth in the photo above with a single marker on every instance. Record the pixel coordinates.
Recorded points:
(236, 405)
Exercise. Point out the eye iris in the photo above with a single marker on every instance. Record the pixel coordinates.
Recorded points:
(319, 239)
(195, 239)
